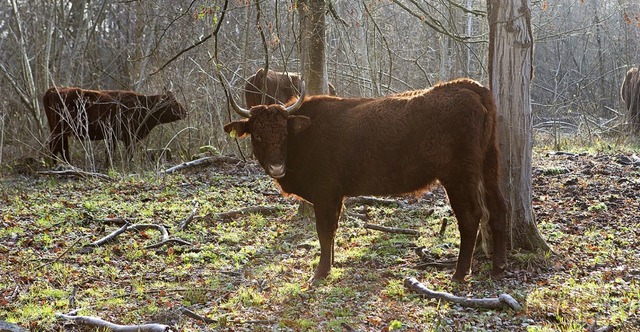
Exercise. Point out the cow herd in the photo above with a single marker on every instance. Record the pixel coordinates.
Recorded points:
(324, 148)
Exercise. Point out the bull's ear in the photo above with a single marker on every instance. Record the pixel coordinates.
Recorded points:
(298, 123)
(237, 128)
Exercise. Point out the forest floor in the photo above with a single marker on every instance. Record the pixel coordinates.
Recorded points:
(249, 271)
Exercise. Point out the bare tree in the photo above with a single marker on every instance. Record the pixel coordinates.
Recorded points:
(510, 72)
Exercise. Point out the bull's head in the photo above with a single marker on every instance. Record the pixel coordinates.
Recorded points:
(169, 109)
(270, 126)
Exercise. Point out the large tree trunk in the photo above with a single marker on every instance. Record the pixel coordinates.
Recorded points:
(510, 73)
(313, 58)
(313, 46)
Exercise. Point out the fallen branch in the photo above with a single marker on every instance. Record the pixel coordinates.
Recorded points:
(504, 300)
(97, 323)
(193, 315)
(8, 327)
(164, 234)
(392, 229)
(199, 162)
(77, 173)
(264, 210)
(187, 221)
(109, 237)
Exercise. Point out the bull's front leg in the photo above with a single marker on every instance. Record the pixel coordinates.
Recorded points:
(327, 215)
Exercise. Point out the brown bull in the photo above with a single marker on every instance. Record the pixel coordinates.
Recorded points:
(630, 93)
(324, 148)
(281, 88)
(108, 114)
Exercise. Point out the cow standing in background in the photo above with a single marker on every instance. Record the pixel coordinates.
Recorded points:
(281, 88)
(630, 93)
(105, 114)
(325, 148)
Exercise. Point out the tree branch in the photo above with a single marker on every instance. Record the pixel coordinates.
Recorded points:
(504, 300)
(97, 322)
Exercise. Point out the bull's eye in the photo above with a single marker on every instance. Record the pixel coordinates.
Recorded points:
(257, 137)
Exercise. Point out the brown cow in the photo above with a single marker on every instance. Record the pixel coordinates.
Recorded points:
(630, 93)
(108, 114)
(324, 148)
(281, 88)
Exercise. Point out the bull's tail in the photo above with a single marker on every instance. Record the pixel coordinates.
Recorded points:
(489, 195)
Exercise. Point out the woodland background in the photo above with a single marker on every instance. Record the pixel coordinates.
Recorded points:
(582, 50)
(247, 271)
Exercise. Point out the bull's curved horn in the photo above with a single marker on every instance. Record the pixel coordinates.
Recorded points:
(298, 103)
(227, 88)
(241, 111)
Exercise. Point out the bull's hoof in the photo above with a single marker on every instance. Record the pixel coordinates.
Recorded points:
(319, 275)
(459, 278)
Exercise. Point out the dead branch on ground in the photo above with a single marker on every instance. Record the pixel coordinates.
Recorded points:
(187, 221)
(76, 173)
(165, 239)
(504, 300)
(8, 327)
(200, 162)
(391, 229)
(98, 323)
(193, 315)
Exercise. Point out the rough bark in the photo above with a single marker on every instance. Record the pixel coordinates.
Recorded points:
(510, 74)
(314, 62)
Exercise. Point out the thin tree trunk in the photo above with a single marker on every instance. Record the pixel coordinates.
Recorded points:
(510, 74)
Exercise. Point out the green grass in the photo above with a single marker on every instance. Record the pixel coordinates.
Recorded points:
(250, 273)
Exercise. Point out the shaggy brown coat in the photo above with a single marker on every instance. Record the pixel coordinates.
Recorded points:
(334, 147)
(630, 93)
(281, 88)
(108, 114)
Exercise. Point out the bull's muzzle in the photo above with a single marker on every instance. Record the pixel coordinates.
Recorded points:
(276, 171)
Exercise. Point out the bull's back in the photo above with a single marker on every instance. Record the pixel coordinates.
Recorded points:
(392, 145)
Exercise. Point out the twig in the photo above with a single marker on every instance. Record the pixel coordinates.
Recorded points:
(76, 172)
(199, 162)
(187, 221)
(504, 300)
(392, 229)
(264, 210)
(97, 322)
(193, 315)
(62, 254)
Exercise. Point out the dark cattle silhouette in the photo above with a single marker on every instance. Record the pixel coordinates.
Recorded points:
(281, 88)
(323, 148)
(106, 114)
(630, 93)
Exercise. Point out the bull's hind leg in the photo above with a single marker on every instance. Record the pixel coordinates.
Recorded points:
(497, 213)
(327, 213)
(463, 196)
